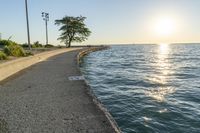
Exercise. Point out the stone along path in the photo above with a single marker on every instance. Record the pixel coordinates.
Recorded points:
(41, 99)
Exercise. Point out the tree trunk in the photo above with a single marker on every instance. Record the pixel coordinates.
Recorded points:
(69, 45)
(70, 41)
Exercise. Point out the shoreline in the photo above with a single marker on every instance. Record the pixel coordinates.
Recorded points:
(96, 101)
(83, 112)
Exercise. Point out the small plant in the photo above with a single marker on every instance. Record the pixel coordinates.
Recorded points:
(37, 45)
(59, 46)
(3, 56)
(28, 53)
(48, 46)
(14, 50)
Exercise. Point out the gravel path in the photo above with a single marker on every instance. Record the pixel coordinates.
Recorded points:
(41, 99)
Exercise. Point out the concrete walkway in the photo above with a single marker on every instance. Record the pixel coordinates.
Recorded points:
(41, 99)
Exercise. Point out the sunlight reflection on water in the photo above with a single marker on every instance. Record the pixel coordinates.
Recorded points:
(162, 63)
(160, 93)
(163, 67)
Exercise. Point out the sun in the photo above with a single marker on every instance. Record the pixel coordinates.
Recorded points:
(165, 26)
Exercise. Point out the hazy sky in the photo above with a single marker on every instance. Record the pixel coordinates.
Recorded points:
(111, 21)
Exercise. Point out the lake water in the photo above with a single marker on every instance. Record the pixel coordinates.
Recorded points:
(148, 88)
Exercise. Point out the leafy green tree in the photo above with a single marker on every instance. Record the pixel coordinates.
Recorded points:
(73, 29)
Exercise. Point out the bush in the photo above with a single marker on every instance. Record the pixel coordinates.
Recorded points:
(59, 46)
(37, 45)
(25, 45)
(14, 50)
(48, 46)
(3, 56)
(5, 42)
(29, 53)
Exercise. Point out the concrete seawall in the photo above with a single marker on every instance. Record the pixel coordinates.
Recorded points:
(89, 50)
(89, 89)
(11, 67)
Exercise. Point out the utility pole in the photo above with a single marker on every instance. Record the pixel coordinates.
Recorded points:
(27, 21)
(45, 17)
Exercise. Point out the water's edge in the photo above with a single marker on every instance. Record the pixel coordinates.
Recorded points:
(148, 88)
(96, 101)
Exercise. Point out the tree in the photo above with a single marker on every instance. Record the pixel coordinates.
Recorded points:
(73, 29)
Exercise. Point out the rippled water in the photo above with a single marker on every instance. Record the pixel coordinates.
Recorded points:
(148, 88)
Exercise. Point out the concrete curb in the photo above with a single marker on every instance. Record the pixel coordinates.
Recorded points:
(90, 50)
(11, 67)
(90, 92)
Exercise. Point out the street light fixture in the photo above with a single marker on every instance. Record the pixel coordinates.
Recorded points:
(27, 21)
(45, 17)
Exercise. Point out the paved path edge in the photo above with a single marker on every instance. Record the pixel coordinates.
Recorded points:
(9, 68)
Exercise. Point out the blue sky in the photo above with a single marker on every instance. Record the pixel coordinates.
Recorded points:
(111, 21)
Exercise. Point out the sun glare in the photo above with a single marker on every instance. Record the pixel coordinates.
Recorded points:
(165, 26)
(164, 47)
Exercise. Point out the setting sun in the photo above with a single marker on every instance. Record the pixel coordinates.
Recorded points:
(165, 26)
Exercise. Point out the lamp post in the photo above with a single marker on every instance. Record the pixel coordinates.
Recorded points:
(27, 21)
(45, 17)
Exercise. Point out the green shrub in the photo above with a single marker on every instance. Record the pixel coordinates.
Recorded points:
(3, 56)
(14, 50)
(28, 53)
(59, 46)
(5, 42)
(37, 45)
(25, 45)
(48, 46)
